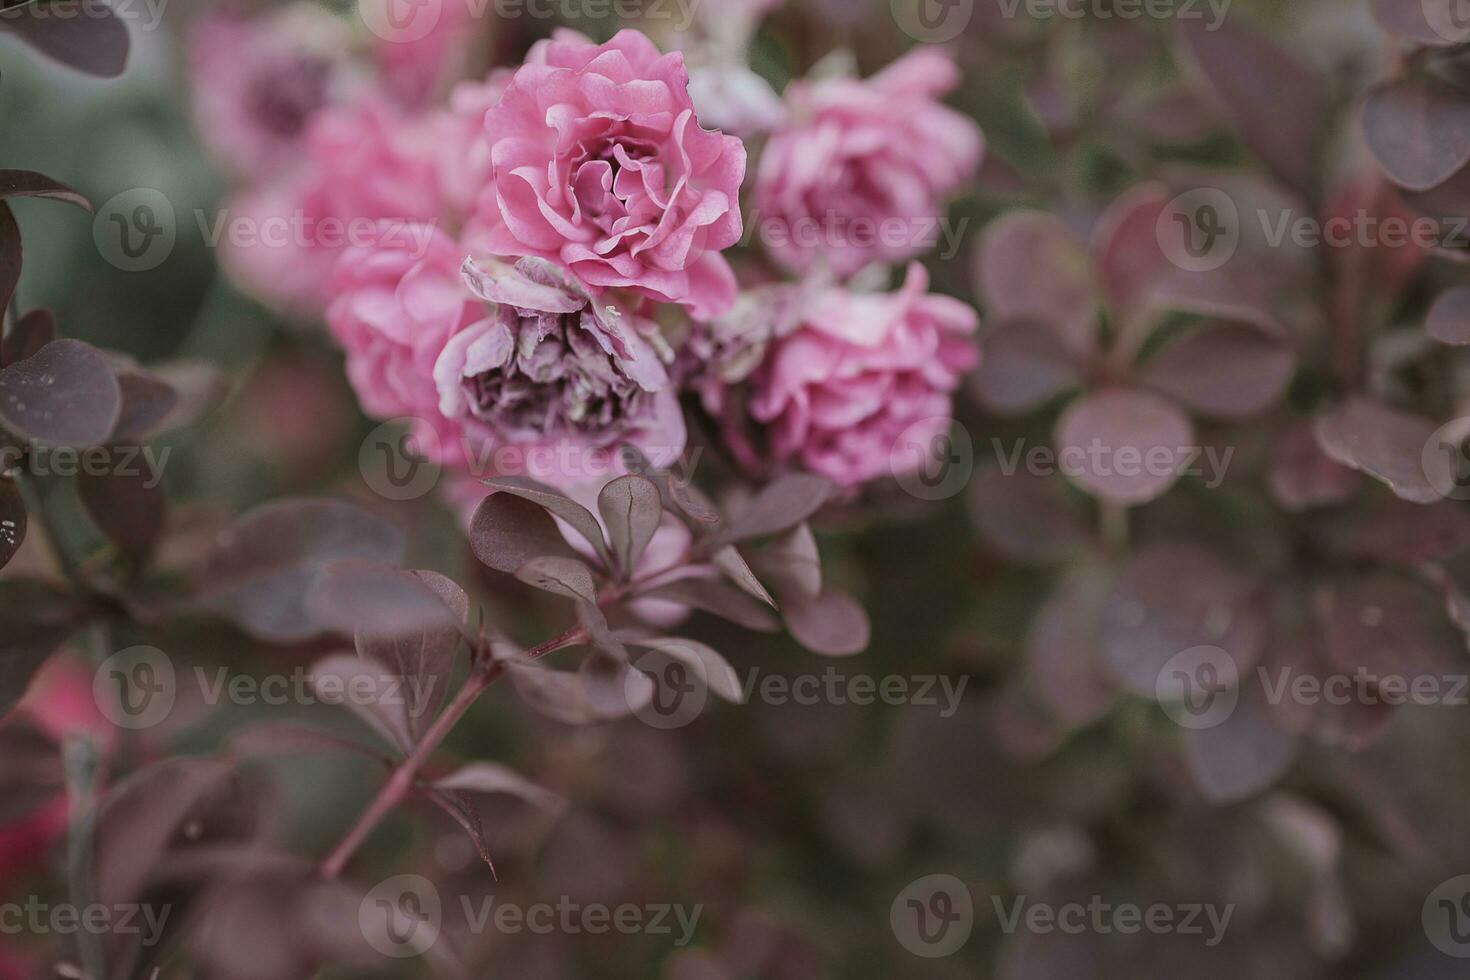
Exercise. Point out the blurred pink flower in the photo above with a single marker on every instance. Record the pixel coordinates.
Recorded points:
(396, 302)
(861, 170)
(600, 165)
(414, 62)
(365, 163)
(257, 82)
(862, 370)
(555, 375)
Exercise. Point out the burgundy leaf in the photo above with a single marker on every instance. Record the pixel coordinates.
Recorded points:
(713, 669)
(27, 336)
(565, 577)
(1123, 445)
(508, 530)
(833, 624)
(467, 818)
(718, 598)
(573, 513)
(94, 41)
(12, 520)
(28, 183)
(65, 395)
(1419, 130)
(261, 571)
(779, 506)
(1026, 516)
(1224, 370)
(579, 698)
(1383, 442)
(1242, 755)
(371, 599)
(368, 690)
(1274, 99)
(1172, 598)
(791, 563)
(127, 506)
(1031, 266)
(1130, 260)
(732, 563)
(1302, 476)
(1387, 625)
(492, 777)
(631, 511)
(10, 255)
(1449, 317)
(1064, 663)
(147, 402)
(1024, 367)
(35, 619)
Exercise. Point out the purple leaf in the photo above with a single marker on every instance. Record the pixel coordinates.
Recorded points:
(732, 564)
(1241, 756)
(65, 395)
(833, 624)
(1031, 266)
(94, 41)
(1429, 22)
(1123, 445)
(1064, 663)
(492, 777)
(1172, 598)
(12, 520)
(127, 506)
(467, 818)
(566, 577)
(712, 668)
(1302, 476)
(27, 336)
(509, 530)
(370, 692)
(631, 511)
(1387, 625)
(261, 570)
(28, 183)
(35, 619)
(580, 698)
(1130, 260)
(1026, 516)
(10, 255)
(718, 598)
(1275, 100)
(147, 403)
(1449, 317)
(1383, 442)
(1223, 370)
(372, 599)
(791, 563)
(579, 517)
(779, 506)
(1419, 130)
(1024, 367)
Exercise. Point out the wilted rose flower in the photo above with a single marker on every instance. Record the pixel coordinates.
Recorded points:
(862, 370)
(365, 162)
(395, 305)
(553, 372)
(257, 82)
(860, 172)
(601, 165)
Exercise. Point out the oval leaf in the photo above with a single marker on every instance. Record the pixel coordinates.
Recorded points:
(1385, 443)
(1449, 318)
(1124, 446)
(1419, 130)
(560, 576)
(65, 395)
(509, 530)
(631, 511)
(28, 183)
(94, 42)
(579, 517)
(833, 624)
(1223, 370)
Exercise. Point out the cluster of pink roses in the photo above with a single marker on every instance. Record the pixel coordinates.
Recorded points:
(540, 261)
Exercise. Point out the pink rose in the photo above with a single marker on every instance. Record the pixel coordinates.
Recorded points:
(600, 165)
(549, 382)
(861, 170)
(364, 163)
(860, 371)
(395, 305)
(256, 83)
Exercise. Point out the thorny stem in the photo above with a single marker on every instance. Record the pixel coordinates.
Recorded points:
(404, 776)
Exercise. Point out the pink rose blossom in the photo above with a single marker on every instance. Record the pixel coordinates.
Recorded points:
(415, 62)
(365, 162)
(857, 157)
(860, 371)
(555, 374)
(256, 83)
(600, 165)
